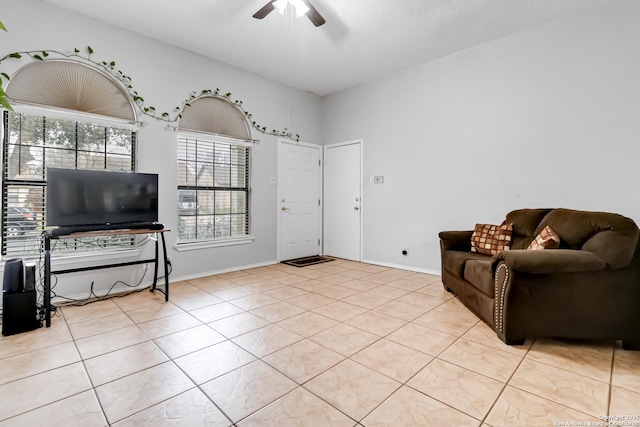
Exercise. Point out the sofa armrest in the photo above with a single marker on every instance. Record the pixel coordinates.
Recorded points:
(455, 240)
(550, 261)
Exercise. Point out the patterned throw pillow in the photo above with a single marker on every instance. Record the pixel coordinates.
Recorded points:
(490, 239)
(547, 239)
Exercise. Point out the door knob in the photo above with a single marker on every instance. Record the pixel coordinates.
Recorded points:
(355, 208)
(285, 209)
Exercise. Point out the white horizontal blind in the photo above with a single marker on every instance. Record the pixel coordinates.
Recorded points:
(33, 143)
(213, 189)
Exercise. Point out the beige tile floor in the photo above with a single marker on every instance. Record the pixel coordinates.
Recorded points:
(335, 344)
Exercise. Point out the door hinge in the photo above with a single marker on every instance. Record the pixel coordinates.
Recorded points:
(319, 162)
(318, 202)
(318, 242)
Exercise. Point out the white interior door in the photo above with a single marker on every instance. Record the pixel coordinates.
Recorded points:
(343, 200)
(299, 199)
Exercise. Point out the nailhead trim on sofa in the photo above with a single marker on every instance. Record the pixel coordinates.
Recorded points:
(500, 301)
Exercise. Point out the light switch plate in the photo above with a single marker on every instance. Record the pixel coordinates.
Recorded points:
(379, 179)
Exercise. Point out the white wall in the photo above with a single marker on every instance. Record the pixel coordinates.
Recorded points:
(548, 117)
(164, 76)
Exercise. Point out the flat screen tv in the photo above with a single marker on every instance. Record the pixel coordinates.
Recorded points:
(96, 197)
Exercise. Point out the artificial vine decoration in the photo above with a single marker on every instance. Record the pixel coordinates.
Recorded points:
(138, 100)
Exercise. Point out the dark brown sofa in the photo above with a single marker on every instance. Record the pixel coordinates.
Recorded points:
(588, 288)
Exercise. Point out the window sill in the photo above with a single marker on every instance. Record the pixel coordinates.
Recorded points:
(192, 246)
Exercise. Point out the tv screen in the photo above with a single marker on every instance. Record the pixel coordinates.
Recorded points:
(98, 197)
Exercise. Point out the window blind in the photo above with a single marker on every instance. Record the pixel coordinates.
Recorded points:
(213, 188)
(33, 143)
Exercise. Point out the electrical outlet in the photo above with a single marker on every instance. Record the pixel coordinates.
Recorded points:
(273, 180)
(379, 179)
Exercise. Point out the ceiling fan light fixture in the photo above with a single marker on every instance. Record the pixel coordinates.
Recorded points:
(301, 8)
(280, 5)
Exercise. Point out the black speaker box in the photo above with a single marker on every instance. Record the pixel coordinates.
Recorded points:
(13, 280)
(29, 276)
(19, 313)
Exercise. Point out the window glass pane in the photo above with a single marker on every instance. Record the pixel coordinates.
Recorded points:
(59, 133)
(223, 178)
(238, 155)
(185, 176)
(58, 158)
(119, 141)
(23, 218)
(187, 227)
(238, 176)
(187, 202)
(238, 225)
(91, 137)
(223, 202)
(205, 227)
(239, 202)
(117, 162)
(29, 130)
(204, 176)
(187, 149)
(223, 226)
(205, 202)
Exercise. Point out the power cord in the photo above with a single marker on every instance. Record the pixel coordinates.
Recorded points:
(93, 297)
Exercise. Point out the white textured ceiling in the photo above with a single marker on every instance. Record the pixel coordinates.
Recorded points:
(361, 40)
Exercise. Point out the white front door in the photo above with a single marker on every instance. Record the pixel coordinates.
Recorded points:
(299, 199)
(343, 200)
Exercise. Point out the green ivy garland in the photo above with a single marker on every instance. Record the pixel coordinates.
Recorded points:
(138, 100)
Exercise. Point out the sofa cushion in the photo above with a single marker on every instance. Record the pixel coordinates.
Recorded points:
(454, 261)
(490, 239)
(525, 222)
(617, 249)
(546, 239)
(612, 237)
(479, 273)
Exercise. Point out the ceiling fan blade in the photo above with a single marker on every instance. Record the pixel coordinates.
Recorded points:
(313, 15)
(266, 9)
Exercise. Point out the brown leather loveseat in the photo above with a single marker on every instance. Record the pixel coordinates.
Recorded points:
(586, 288)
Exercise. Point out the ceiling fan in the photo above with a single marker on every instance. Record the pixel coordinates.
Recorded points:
(303, 7)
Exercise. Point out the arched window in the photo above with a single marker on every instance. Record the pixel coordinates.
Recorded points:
(213, 172)
(67, 115)
(71, 86)
(215, 116)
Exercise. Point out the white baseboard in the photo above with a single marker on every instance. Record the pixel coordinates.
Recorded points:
(226, 270)
(403, 267)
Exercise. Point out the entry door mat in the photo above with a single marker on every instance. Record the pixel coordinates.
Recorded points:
(309, 260)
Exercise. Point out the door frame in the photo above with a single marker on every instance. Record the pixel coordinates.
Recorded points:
(320, 194)
(362, 198)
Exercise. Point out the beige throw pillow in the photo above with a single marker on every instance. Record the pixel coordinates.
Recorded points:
(547, 239)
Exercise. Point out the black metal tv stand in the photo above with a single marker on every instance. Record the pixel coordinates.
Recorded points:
(51, 235)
